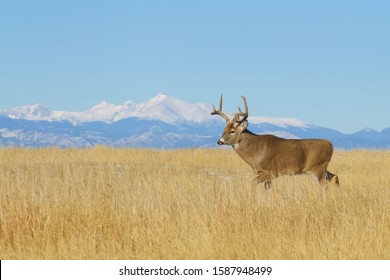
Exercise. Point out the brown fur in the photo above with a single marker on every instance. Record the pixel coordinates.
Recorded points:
(271, 156)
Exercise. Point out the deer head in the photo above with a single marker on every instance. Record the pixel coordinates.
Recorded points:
(233, 127)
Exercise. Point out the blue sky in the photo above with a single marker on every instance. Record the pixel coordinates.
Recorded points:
(324, 62)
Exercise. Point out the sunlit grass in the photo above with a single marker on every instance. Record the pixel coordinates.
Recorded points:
(107, 203)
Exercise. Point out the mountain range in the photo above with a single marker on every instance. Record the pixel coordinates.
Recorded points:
(163, 122)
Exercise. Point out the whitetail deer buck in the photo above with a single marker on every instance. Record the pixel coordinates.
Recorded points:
(271, 156)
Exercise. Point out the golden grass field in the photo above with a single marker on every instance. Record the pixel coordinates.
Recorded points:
(106, 203)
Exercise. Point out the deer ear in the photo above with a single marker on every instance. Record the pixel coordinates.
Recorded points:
(242, 126)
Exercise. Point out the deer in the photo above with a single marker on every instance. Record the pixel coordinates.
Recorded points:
(271, 156)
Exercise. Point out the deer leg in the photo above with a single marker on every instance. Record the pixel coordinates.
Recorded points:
(325, 176)
(268, 184)
(264, 177)
(320, 174)
(333, 178)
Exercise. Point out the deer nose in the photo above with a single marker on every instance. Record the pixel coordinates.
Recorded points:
(219, 142)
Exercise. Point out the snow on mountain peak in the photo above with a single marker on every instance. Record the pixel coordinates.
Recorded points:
(29, 112)
(281, 122)
(102, 105)
(106, 108)
(161, 107)
(103, 111)
(171, 109)
(159, 97)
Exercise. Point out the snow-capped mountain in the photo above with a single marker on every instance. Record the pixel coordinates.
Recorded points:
(29, 112)
(161, 122)
(281, 122)
(172, 110)
(161, 107)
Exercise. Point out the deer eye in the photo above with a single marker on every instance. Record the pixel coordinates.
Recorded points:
(232, 132)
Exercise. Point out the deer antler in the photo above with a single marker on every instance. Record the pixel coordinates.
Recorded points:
(240, 113)
(219, 112)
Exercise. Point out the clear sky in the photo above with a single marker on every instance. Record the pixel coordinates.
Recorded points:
(324, 62)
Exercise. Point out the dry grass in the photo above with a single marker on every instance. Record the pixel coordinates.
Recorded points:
(106, 203)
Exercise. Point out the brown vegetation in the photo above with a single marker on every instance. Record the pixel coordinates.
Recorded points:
(107, 203)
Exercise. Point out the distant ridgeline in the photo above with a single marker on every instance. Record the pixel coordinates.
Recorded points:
(163, 122)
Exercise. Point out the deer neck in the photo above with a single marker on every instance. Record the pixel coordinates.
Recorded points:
(244, 147)
(239, 147)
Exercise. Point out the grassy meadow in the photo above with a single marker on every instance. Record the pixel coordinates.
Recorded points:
(106, 203)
